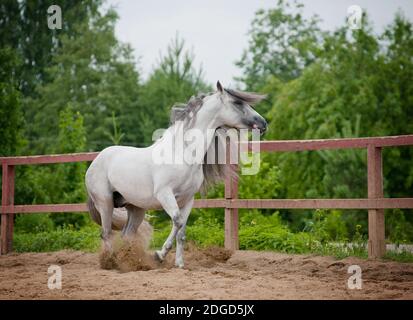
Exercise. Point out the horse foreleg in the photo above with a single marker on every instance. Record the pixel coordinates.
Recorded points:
(167, 199)
(161, 254)
(180, 236)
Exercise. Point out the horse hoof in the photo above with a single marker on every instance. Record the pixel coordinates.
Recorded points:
(179, 265)
(158, 256)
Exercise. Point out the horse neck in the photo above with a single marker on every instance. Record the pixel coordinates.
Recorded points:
(206, 119)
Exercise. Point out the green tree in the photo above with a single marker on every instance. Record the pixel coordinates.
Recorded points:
(116, 135)
(395, 99)
(58, 183)
(69, 177)
(11, 120)
(173, 80)
(281, 44)
(357, 87)
(96, 74)
(23, 26)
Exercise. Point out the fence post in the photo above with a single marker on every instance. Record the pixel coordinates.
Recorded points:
(7, 199)
(376, 244)
(231, 214)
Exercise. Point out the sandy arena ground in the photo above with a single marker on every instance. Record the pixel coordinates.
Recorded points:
(209, 274)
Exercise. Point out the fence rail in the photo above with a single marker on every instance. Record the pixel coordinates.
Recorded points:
(375, 203)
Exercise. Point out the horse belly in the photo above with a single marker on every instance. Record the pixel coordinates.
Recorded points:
(147, 203)
(134, 184)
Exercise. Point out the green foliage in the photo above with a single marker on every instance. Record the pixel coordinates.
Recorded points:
(11, 119)
(116, 135)
(403, 256)
(72, 135)
(86, 239)
(82, 82)
(25, 30)
(206, 232)
(59, 183)
(326, 236)
(335, 226)
(263, 185)
(257, 232)
(399, 229)
(97, 75)
(282, 42)
(33, 223)
(345, 92)
(327, 226)
(173, 80)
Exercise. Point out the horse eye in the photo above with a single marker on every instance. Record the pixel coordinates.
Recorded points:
(238, 103)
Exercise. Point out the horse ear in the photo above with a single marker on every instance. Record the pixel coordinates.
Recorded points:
(219, 87)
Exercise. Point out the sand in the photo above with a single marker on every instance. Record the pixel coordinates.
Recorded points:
(212, 273)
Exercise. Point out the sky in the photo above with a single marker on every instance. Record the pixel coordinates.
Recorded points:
(216, 30)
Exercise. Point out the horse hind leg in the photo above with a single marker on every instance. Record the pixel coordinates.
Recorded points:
(105, 207)
(135, 218)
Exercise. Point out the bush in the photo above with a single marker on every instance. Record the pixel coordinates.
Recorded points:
(336, 226)
(257, 232)
(205, 231)
(399, 230)
(87, 239)
(33, 223)
(75, 220)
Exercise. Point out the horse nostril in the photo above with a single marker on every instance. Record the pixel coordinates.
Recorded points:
(260, 124)
(263, 125)
(263, 129)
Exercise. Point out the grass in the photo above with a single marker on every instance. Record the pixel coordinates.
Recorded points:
(402, 256)
(257, 232)
(86, 239)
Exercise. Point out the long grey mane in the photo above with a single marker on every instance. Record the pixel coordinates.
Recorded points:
(213, 172)
(186, 112)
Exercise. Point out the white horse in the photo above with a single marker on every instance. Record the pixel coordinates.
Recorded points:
(129, 177)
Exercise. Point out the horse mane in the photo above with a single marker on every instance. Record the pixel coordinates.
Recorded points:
(216, 172)
(213, 172)
(186, 112)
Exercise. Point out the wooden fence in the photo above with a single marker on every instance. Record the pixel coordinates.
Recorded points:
(375, 203)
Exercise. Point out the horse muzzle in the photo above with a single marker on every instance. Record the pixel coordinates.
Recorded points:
(260, 124)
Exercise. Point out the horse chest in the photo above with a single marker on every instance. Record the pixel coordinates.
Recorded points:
(188, 181)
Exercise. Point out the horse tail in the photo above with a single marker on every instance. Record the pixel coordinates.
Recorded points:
(93, 212)
(119, 217)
